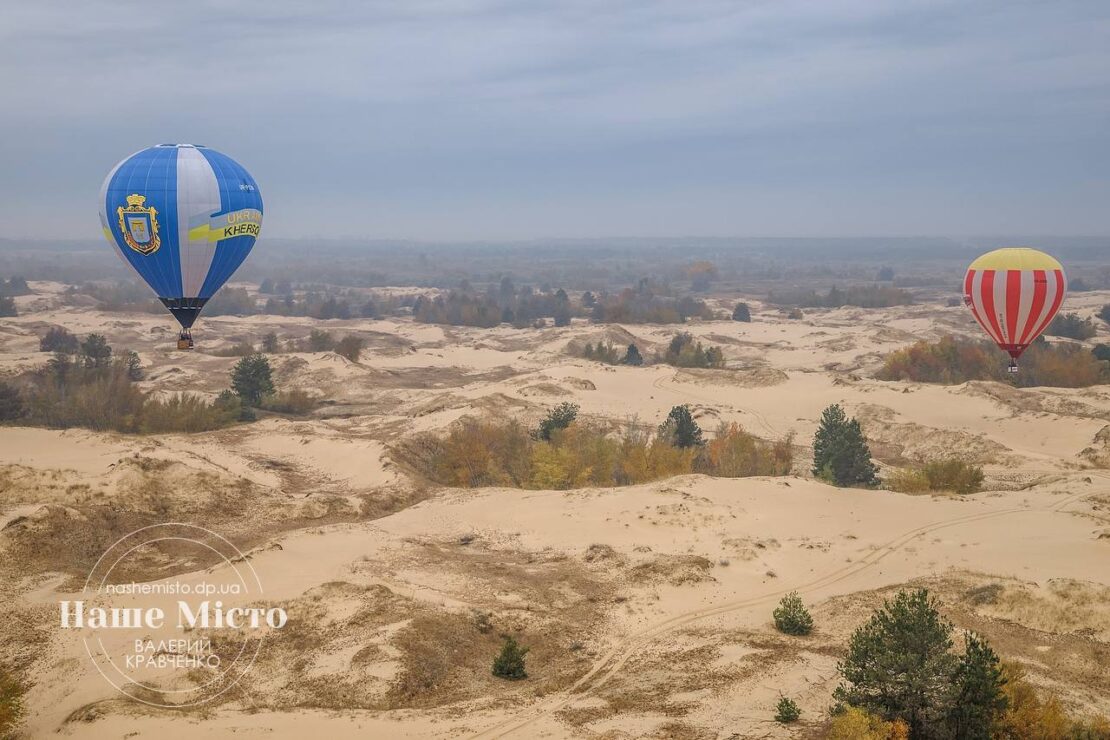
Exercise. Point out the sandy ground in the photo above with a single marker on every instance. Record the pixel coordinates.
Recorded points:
(648, 608)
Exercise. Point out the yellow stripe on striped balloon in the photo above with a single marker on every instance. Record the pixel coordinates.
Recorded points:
(1016, 258)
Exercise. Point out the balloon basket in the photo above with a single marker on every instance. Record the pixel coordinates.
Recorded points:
(185, 340)
(1013, 368)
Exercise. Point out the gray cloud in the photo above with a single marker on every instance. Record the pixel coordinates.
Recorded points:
(503, 119)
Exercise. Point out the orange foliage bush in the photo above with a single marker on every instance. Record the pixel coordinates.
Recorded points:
(951, 360)
(477, 453)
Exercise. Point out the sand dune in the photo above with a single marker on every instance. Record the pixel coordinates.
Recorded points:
(647, 607)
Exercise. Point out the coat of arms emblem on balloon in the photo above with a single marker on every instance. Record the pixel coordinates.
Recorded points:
(139, 225)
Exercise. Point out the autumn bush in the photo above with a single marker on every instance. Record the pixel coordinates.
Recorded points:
(684, 351)
(853, 723)
(948, 474)
(1031, 713)
(951, 360)
(95, 388)
(734, 453)
(293, 401)
(488, 452)
(11, 704)
(184, 412)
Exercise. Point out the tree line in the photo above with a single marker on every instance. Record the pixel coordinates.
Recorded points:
(87, 384)
(951, 360)
(565, 452)
(683, 351)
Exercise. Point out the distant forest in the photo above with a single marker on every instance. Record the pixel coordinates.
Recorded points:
(580, 265)
(550, 282)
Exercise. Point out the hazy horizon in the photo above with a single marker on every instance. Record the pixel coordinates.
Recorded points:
(497, 120)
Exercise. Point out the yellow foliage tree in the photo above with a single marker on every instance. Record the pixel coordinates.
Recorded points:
(859, 724)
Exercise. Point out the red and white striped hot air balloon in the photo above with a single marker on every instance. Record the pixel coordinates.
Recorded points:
(1013, 294)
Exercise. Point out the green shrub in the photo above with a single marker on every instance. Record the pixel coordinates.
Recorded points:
(350, 347)
(560, 417)
(1072, 326)
(7, 307)
(320, 341)
(58, 339)
(295, 401)
(742, 313)
(792, 617)
(603, 352)
(787, 711)
(239, 349)
(509, 664)
(908, 480)
(840, 452)
(11, 402)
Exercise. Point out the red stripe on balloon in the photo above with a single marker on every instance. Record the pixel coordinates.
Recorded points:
(1057, 299)
(986, 290)
(969, 285)
(1040, 290)
(1013, 303)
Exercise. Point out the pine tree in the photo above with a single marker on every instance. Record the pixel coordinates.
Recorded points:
(270, 343)
(632, 356)
(787, 711)
(96, 351)
(134, 366)
(840, 452)
(742, 313)
(899, 665)
(560, 417)
(252, 380)
(680, 429)
(792, 617)
(509, 664)
(977, 697)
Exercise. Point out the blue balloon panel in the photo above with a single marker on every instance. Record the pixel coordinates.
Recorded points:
(184, 217)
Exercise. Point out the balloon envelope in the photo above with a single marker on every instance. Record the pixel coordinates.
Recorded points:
(184, 217)
(1013, 294)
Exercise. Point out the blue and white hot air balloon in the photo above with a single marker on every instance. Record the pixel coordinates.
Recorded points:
(184, 217)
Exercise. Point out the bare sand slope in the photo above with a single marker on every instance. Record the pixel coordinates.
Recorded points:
(647, 608)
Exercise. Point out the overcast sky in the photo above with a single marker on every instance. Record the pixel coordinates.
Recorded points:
(508, 119)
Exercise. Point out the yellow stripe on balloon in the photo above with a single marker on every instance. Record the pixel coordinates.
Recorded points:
(1015, 258)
